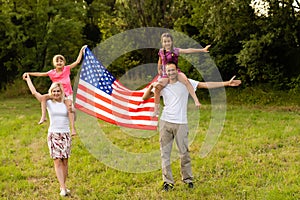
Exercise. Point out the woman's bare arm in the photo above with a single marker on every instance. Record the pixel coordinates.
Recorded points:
(31, 87)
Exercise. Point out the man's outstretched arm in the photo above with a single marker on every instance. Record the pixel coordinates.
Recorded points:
(230, 83)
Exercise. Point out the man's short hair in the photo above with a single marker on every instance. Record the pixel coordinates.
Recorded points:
(172, 63)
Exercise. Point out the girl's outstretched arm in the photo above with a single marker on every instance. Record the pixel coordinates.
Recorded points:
(74, 64)
(193, 50)
(36, 74)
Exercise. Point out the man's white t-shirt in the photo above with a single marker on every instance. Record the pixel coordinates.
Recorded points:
(175, 98)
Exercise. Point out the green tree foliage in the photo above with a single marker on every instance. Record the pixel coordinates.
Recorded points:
(34, 31)
(223, 24)
(99, 20)
(261, 48)
(152, 13)
(131, 14)
(272, 53)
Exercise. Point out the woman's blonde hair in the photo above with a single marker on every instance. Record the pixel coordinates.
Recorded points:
(58, 57)
(54, 85)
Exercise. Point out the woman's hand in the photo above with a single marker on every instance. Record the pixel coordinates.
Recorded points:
(25, 76)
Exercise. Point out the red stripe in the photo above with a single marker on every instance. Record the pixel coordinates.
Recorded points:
(112, 112)
(125, 100)
(129, 110)
(98, 96)
(128, 92)
(136, 126)
(113, 95)
(121, 87)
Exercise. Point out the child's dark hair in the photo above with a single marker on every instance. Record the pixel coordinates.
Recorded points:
(166, 35)
(172, 48)
(172, 62)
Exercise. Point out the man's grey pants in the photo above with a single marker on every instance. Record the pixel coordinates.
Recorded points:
(168, 132)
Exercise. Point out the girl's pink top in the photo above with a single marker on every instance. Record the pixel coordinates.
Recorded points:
(63, 77)
(168, 56)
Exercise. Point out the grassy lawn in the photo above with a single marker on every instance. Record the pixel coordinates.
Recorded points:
(256, 157)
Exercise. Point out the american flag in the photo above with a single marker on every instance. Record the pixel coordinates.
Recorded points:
(99, 94)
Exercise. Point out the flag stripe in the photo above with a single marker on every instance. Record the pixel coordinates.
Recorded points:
(114, 116)
(116, 112)
(120, 90)
(109, 120)
(98, 94)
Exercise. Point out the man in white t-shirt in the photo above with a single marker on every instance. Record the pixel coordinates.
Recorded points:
(173, 123)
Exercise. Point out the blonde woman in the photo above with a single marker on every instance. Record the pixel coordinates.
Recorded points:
(59, 138)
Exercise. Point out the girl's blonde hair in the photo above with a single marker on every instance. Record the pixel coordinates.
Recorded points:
(60, 86)
(58, 57)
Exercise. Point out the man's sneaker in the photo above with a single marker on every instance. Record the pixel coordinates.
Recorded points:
(190, 185)
(168, 186)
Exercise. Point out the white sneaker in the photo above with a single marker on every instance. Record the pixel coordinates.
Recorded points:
(63, 193)
(67, 190)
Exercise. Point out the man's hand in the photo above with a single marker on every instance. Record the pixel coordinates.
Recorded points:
(157, 85)
(233, 82)
(205, 49)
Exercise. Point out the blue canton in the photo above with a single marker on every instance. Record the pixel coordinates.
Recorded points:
(95, 74)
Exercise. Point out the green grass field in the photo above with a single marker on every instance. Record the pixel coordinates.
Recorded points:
(256, 157)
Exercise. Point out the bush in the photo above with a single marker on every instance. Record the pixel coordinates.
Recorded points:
(17, 89)
(262, 95)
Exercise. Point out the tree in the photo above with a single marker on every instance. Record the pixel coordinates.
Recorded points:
(272, 54)
(262, 48)
(223, 24)
(36, 30)
(133, 14)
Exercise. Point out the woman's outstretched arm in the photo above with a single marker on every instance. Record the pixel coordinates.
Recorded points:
(31, 87)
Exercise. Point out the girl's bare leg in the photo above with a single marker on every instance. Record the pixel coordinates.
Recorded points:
(159, 86)
(44, 98)
(71, 115)
(183, 79)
